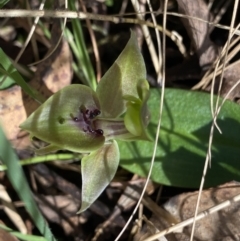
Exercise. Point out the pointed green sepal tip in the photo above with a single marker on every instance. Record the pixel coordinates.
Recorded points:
(65, 120)
(98, 169)
(47, 149)
(121, 80)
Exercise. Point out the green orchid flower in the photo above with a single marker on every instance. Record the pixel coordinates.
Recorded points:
(79, 119)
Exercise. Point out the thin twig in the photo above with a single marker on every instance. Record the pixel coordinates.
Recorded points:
(30, 34)
(73, 14)
(148, 39)
(208, 156)
(13, 13)
(189, 221)
(158, 126)
(160, 55)
(58, 42)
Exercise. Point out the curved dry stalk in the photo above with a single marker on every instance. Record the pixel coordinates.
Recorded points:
(55, 47)
(160, 56)
(221, 70)
(220, 13)
(33, 24)
(27, 40)
(209, 74)
(225, 27)
(30, 34)
(159, 123)
(227, 57)
(208, 156)
(229, 92)
(155, 60)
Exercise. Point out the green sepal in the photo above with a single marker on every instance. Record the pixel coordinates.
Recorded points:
(98, 169)
(54, 123)
(47, 149)
(121, 80)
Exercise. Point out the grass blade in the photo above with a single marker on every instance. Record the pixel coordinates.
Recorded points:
(9, 73)
(81, 54)
(19, 182)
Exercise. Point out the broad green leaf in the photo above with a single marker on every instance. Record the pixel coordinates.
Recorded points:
(121, 80)
(61, 121)
(183, 141)
(98, 169)
(17, 178)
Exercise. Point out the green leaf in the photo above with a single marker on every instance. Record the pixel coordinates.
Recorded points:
(183, 143)
(3, 2)
(80, 50)
(98, 169)
(17, 178)
(5, 80)
(8, 74)
(24, 237)
(121, 80)
(60, 121)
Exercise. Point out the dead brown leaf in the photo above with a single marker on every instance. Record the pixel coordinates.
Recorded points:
(231, 76)
(62, 210)
(198, 31)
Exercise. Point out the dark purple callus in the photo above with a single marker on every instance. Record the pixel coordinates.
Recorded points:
(94, 113)
(86, 119)
(99, 132)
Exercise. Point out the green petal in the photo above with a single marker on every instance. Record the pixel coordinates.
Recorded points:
(121, 79)
(98, 169)
(55, 121)
(144, 93)
(132, 119)
(137, 115)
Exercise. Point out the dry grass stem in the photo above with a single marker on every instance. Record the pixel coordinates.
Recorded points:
(148, 38)
(12, 13)
(208, 155)
(198, 217)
